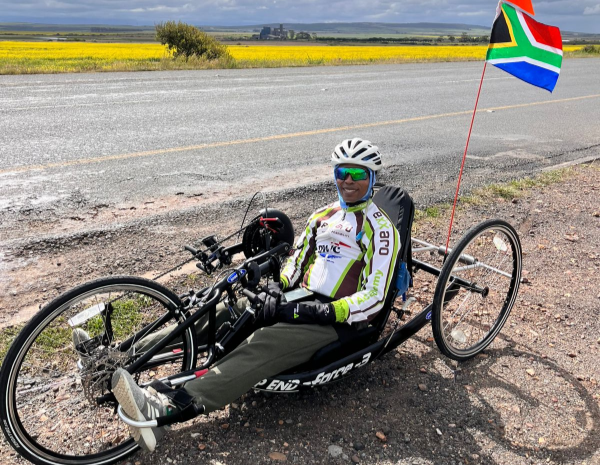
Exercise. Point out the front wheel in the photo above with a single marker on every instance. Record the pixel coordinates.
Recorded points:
(477, 289)
(62, 362)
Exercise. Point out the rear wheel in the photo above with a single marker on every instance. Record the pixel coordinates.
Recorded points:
(53, 373)
(477, 289)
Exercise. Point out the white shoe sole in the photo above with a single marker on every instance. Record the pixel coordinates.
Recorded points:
(143, 436)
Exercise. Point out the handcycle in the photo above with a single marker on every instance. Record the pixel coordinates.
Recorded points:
(56, 406)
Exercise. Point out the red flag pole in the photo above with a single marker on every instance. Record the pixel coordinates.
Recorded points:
(462, 166)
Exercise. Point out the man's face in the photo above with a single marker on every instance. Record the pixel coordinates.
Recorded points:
(352, 191)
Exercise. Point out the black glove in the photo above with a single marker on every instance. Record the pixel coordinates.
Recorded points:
(275, 286)
(306, 313)
(270, 303)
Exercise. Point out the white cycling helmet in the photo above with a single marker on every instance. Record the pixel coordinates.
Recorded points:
(358, 152)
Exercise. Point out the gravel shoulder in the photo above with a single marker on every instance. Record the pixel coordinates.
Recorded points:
(533, 397)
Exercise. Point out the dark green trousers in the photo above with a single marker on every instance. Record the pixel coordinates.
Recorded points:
(265, 353)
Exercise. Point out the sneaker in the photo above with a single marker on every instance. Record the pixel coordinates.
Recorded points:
(141, 405)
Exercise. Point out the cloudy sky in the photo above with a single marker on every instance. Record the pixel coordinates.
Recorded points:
(572, 15)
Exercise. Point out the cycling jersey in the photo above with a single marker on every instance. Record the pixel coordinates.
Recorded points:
(348, 255)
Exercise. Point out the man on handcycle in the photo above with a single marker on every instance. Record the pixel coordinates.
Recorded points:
(342, 268)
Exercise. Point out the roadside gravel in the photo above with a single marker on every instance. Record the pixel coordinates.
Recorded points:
(532, 398)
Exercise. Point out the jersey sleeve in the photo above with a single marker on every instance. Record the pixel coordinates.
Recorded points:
(382, 242)
(303, 252)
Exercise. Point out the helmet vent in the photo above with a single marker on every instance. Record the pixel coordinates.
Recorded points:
(360, 152)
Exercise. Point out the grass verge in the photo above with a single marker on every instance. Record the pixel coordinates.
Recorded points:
(492, 192)
(587, 51)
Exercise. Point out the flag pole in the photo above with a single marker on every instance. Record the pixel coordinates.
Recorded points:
(462, 166)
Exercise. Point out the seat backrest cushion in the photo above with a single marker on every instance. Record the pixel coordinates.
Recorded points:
(399, 206)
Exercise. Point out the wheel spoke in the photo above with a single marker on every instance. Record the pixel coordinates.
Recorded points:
(467, 318)
(54, 397)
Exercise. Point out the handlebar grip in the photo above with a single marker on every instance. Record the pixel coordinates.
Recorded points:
(252, 297)
(190, 249)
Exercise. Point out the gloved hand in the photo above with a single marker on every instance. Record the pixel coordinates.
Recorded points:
(306, 313)
(270, 307)
(275, 286)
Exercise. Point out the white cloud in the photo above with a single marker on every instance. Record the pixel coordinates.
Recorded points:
(573, 15)
(592, 10)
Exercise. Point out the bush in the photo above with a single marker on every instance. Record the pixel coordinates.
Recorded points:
(592, 50)
(185, 40)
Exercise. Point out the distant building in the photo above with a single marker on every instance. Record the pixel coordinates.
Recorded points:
(265, 33)
(273, 33)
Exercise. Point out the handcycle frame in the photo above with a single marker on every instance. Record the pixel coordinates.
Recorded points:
(471, 302)
(287, 382)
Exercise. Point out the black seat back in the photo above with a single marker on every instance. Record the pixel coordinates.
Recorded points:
(399, 206)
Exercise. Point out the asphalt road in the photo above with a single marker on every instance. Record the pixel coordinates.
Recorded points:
(126, 138)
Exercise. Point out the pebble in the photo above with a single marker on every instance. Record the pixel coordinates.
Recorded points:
(381, 436)
(289, 421)
(195, 435)
(358, 446)
(355, 459)
(335, 451)
(422, 387)
(277, 456)
(437, 430)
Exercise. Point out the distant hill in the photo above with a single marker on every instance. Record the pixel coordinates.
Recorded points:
(38, 27)
(372, 29)
(321, 29)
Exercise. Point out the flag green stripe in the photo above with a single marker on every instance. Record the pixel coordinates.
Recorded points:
(524, 47)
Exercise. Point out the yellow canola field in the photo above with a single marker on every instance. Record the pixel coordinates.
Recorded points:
(74, 56)
(336, 54)
(57, 57)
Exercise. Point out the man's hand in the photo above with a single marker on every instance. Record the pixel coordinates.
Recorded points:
(306, 313)
(271, 302)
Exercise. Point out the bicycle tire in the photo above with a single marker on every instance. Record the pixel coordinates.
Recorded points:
(489, 256)
(40, 372)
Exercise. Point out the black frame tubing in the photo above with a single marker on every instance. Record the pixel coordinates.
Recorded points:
(210, 308)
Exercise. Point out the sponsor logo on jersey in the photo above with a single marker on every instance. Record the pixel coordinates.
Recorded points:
(334, 247)
(330, 257)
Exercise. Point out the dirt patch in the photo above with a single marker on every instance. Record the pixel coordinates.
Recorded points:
(532, 398)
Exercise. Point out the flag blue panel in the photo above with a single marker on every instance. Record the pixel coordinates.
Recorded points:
(532, 74)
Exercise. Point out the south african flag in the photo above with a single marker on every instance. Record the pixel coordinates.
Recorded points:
(526, 49)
